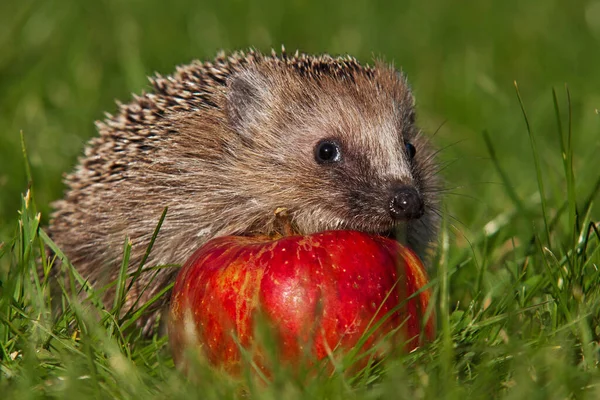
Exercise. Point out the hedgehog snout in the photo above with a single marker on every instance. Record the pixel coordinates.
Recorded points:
(406, 203)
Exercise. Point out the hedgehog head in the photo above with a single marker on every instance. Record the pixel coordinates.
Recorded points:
(333, 142)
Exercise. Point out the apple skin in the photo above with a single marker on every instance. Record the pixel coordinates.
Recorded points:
(324, 290)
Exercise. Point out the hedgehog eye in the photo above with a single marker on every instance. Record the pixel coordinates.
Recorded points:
(410, 150)
(327, 151)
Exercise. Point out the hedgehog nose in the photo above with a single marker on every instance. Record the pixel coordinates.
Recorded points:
(406, 204)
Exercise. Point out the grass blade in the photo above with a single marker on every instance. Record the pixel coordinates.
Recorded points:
(538, 167)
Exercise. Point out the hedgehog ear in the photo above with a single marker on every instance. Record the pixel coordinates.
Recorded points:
(247, 97)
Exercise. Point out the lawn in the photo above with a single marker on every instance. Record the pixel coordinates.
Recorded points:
(511, 90)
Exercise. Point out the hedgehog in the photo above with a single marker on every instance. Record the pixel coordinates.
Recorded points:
(224, 143)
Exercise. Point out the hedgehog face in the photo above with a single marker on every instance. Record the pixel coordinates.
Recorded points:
(363, 168)
(338, 153)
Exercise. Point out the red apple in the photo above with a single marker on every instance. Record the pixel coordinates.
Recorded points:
(324, 290)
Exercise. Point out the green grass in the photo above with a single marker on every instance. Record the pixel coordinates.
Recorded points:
(516, 278)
